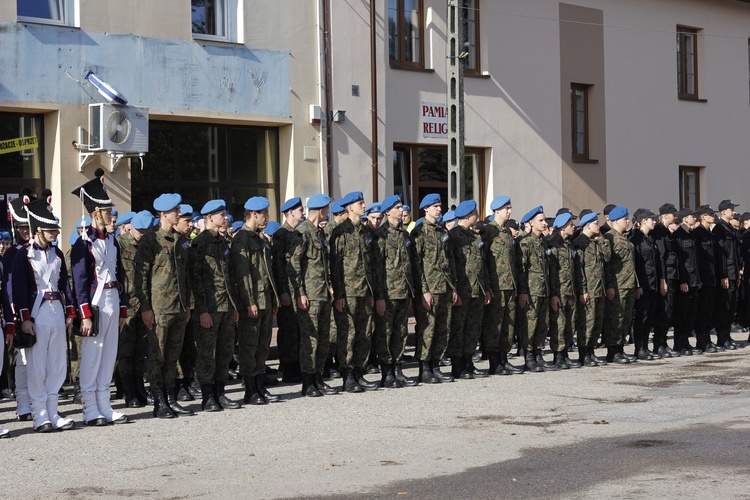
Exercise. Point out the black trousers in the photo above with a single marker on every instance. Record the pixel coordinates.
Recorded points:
(725, 305)
(686, 307)
(665, 306)
(643, 318)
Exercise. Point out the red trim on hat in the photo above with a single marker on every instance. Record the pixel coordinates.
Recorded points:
(25, 315)
(86, 311)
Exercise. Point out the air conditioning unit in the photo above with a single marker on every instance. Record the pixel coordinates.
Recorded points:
(118, 128)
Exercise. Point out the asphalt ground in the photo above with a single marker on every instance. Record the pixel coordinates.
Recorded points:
(667, 428)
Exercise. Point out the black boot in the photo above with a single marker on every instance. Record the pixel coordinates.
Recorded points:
(585, 355)
(425, 373)
(405, 381)
(128, 387)
(442, 377)
(558, 361)
(350, 382)
(547, 367)
(290, 373)
(252, 396)
(308, 386)
(457, 369)
(323, 387)
(209, 402)
(77, 392)
(221, 396)
(531, 364)
(469, 366)
(330, 371)
(194, 388)
(174, 405)
(363, 382)
(387, 377)
(119, 387)
(181, 392)
(617, 356)
(495, 367)
(570, 362)
(509, 369)
(260, 384)
(140, 389)
(161, 408)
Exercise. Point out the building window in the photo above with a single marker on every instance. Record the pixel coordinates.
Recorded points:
(60, 12)
(471, 35)
(579, 114)
(219, 20)
(687, 63)
(204, 162)
(421, 170)
(405, 32)
(690, 187)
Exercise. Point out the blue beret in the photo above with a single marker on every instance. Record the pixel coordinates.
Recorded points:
(186, 210)
(352, 197)
(74, 237)
(213, 206)
(561, 220)
(142, 220)
(618, 213)
(449, 216)
(167, 202)
(257, 203)
(373, 208)
(465, 208)
(590, 217)
(389, 202)
(363, 218)
(291, 203)
(236, 226)
(5, 235)
(406, 208)
(429, 200)
(197, 218)
(271, 227)
(125, 218)
(499, 202)
(115, 212)
(531, 214)
(419, 221)
(86, 221)
(318, 201)
(490, 218)
(156, 222)
(230, 219)
(337, 207)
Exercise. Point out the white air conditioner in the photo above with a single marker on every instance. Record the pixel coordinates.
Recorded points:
(118, 128)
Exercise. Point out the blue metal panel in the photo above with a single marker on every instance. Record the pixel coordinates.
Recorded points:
(165, 75)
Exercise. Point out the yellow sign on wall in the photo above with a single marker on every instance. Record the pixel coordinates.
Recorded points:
(19, 144)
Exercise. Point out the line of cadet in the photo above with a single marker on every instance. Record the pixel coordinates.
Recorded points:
(174, 303)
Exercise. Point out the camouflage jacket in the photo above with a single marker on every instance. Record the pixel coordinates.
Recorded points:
(161, 272)
(561, 267)
(211, 274)
(308, 267)
(588, 266)
(250, 261)
(500, 248)
(432, 260)
(619, 267)
(283, 241)
(128, 248)
(351, 266)
(533, 266)
(392, 274)
(468, 261)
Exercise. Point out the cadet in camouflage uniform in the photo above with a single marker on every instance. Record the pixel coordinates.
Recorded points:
(589, 284)
(435, 279)
(562, 290)
(393, 289)
(473, 292)
(338, 213)
(309, 276)
(132, 348)
(287, 336)
(214, 306)
(620, 282)
(533, 290)
(500, 314)
(351, 274)
(189, 354)
(256, 292)
(161, 284)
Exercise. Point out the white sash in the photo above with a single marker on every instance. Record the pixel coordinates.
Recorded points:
(45, 264)
(105, 261)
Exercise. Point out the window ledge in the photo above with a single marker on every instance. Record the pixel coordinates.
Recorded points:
(406, 67)
(214, 41)
(481, 76)
(585, 160)
(692, 99)
(45, 22)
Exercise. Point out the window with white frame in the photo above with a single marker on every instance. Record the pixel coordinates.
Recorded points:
(62, 12)
(219, 20)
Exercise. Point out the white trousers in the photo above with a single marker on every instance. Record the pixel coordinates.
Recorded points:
(23, 401)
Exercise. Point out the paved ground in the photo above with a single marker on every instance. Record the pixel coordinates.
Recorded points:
(667, 428)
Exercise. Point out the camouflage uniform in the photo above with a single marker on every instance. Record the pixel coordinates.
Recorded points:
(533, 280)
(561, 286)
(332, 333)
(287, 336)
(211, 278)
(619, 273)
(251, 267)
(161, 284)
(589, 278)
(392, 283)
(308, 271)
(351, 274)
(500, 314)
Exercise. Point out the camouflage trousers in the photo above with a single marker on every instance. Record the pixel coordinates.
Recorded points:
(618, 317)
(432, 326)
(186, 364)
(391, 331)
(254, 342)
(214, 348)
(288, 335)
(332, 336)
(498, 322)
(589, 322)
(132, 349)
(75, 356)
(164, 348)
(535, 317)
(466, 327)
(561, 324)
(314, 344)
(354, 332)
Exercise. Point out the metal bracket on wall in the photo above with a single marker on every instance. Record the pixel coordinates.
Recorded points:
(115, 157)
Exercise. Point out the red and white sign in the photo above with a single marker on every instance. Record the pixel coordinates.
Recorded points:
(434, 120)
